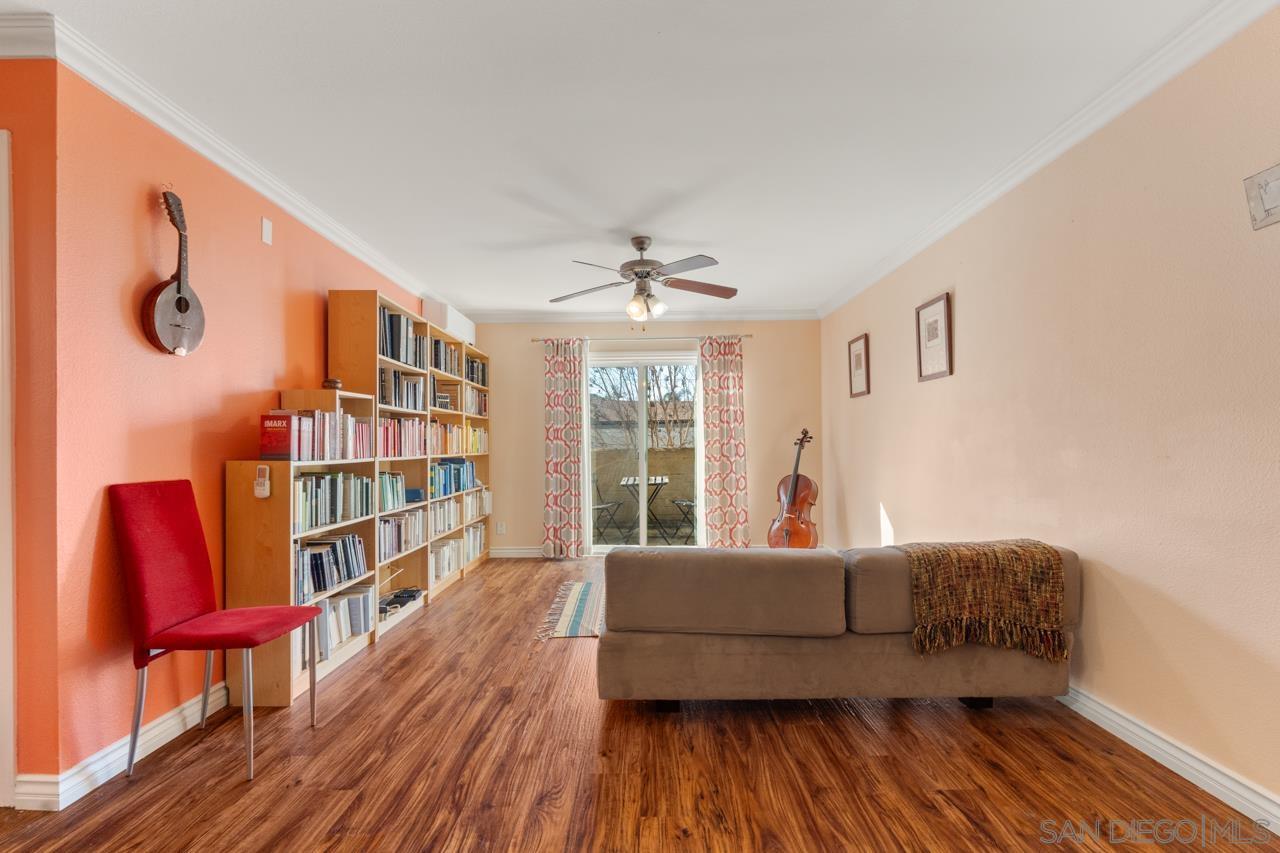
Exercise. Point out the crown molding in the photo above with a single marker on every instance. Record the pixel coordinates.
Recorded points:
(26, 36)
(762, 315)
(41, 35)
(1180, 52)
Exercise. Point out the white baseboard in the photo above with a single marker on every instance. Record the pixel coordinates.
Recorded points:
(515, 553)
(51, 792)
(1251, 800)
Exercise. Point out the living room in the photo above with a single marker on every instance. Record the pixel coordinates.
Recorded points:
(639, 427)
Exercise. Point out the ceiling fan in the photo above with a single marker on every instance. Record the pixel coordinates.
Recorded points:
(643, 272)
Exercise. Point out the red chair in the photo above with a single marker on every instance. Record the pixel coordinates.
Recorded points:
(171, 603)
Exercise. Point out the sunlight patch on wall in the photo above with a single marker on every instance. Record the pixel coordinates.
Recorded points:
(886, 528)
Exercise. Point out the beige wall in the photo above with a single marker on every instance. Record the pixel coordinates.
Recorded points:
(1117, 390)
(781, 376)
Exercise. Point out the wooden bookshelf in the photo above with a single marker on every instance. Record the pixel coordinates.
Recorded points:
(354, 357)
(261, 541)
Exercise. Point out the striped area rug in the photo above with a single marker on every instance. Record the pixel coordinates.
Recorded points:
(577, 611)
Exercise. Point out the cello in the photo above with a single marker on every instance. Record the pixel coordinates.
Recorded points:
(793, 528)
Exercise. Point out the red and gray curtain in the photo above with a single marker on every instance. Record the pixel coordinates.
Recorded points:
(725, 453)
(562, 531)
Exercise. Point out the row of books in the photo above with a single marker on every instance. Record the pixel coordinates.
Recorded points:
(313, 436)
(322, 564)
(446, 559)
(473, 541)
(446, 356)
(346, 615)
(477, 371)
(402, 437)
(447, 438)
(477, 440)
(475, 401)
(408, 391)
(476, 504)
(401, 532)
(327, 498)
(444, 516)
(451, 475)
(391, 490)
(398, 338)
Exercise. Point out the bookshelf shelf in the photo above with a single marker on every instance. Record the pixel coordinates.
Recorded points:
(342, 587)
(444, 583)
(366, 331)
(401, 410)
(407, 552)
(403, 367)
(337, 525)
(456, 494)
(447, 534)
(320, 463)
(393, 620)
(392, 510)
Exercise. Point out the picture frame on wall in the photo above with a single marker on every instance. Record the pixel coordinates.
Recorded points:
(933, 338)
(860, 366)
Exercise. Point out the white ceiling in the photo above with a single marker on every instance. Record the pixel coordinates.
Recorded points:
(482, 145)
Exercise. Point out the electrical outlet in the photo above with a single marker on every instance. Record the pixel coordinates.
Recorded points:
(502, 528)
(266, 230)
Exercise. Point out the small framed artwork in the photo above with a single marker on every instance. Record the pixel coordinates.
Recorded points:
(933, 338)
(860, 366)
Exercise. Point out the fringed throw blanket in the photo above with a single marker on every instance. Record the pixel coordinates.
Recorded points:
(1006, 594)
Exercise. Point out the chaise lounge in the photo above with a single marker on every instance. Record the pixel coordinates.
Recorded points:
(794, 624)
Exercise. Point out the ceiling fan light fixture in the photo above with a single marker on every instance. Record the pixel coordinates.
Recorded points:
(656, 306)
(637, 309)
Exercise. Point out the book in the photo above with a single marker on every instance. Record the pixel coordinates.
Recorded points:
(276, 436)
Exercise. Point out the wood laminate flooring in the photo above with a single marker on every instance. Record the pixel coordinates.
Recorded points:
(461, 731)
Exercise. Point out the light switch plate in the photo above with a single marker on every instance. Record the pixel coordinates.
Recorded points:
(266, 230)
(1263, 192)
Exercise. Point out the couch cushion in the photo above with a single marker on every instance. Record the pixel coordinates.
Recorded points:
(784, 593)
(878, 590)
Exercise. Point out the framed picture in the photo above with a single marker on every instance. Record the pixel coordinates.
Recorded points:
(860, 366)
(933, 338)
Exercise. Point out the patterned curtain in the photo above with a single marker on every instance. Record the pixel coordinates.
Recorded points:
(726, 443)
(562, 535)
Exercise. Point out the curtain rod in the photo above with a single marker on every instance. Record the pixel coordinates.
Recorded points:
(672, 338)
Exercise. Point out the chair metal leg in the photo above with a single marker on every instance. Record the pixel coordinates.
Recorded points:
(312, 639)
(208, 682)
(139, 699)
(246, 702)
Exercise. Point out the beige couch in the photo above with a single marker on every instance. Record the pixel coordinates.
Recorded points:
(792, 624)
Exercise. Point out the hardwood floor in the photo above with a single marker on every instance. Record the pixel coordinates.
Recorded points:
(461, 731)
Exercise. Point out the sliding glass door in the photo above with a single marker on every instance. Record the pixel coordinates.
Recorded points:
(643, 468)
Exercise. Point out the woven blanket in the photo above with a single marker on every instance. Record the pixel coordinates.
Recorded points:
(1006, 594)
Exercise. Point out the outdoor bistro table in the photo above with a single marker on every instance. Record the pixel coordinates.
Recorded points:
(656, 484)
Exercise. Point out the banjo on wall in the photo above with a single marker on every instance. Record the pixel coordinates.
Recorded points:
(172, 316)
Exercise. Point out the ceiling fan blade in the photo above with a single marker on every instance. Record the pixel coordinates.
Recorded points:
(588, 290)
(695, 262)
(702, 287)
(598, 266)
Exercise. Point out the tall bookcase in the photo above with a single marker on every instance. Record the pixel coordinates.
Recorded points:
(261, 541)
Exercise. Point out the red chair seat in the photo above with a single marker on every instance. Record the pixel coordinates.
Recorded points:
(239, 628)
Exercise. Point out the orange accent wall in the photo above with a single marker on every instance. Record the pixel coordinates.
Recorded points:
(28, 90)
(124, 411)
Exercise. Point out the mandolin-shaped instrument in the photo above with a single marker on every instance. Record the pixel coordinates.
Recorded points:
(793, 528)
(172, 316)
